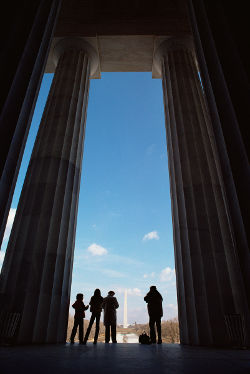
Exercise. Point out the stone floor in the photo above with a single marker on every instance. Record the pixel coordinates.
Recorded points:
(121, 359)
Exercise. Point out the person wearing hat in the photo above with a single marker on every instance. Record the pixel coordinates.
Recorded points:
(78, 318)
(110, 304)
(154, 301)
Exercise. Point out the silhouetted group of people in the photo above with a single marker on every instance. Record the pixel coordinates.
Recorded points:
(109, 304)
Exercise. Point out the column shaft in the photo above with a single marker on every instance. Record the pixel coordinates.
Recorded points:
(220, 35)
(209, 284)
(29, 27)
(36, 274)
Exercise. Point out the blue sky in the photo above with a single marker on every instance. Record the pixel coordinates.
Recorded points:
(124, 233)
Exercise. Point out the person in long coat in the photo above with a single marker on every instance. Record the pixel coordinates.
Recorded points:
(154, 301)
(96, 309)
(110, 304)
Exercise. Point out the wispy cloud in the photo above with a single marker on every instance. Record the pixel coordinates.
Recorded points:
(151, 275)
(9, 224)
(151, 235)
(97, 250)
(150, 149)
(131, 291)
(114, 214)
(134, 292)
(113, 273)
(170, 311)
(109, 259)
(167, 274)
(124, 260)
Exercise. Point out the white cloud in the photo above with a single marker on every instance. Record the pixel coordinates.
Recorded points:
(167, 274)
(151, 235)
(97, 250)
(9, 224)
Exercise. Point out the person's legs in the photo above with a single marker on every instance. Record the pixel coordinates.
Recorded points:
(73, 333)
(152, 329)
(113, 332)
(158, 325)
(97, 326)
(107, 333)
(89, 328)
(81, 321)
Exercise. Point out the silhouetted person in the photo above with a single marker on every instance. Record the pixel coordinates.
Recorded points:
(154, 301)
(79, 316)
(96, 309)
(110, 304)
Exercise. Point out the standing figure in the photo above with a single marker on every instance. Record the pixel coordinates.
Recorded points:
(78, 318)
(96, 309)
(154, 301)
(110, 304)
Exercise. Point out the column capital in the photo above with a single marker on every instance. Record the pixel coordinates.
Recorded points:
(76, 44)
(171, 44)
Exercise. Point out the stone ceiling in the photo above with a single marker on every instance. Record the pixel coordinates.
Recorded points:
(124, 33)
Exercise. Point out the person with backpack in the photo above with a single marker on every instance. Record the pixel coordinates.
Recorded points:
(110, 304)
(96, 309)
(154, 301)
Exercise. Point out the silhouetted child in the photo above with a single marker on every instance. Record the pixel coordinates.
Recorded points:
(79, 316)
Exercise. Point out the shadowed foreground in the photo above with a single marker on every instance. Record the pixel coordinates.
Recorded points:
(122, 358)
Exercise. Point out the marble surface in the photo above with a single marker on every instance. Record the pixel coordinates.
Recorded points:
(122, 358)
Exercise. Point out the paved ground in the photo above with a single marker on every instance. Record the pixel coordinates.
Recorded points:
(121, 359)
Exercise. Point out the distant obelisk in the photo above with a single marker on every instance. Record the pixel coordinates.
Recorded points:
(125, 311)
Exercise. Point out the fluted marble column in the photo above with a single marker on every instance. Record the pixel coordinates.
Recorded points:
(209, 283)
(223, 62)
(29, 30)
(36, 274)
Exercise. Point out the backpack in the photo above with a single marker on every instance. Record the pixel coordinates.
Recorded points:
(144, 338)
